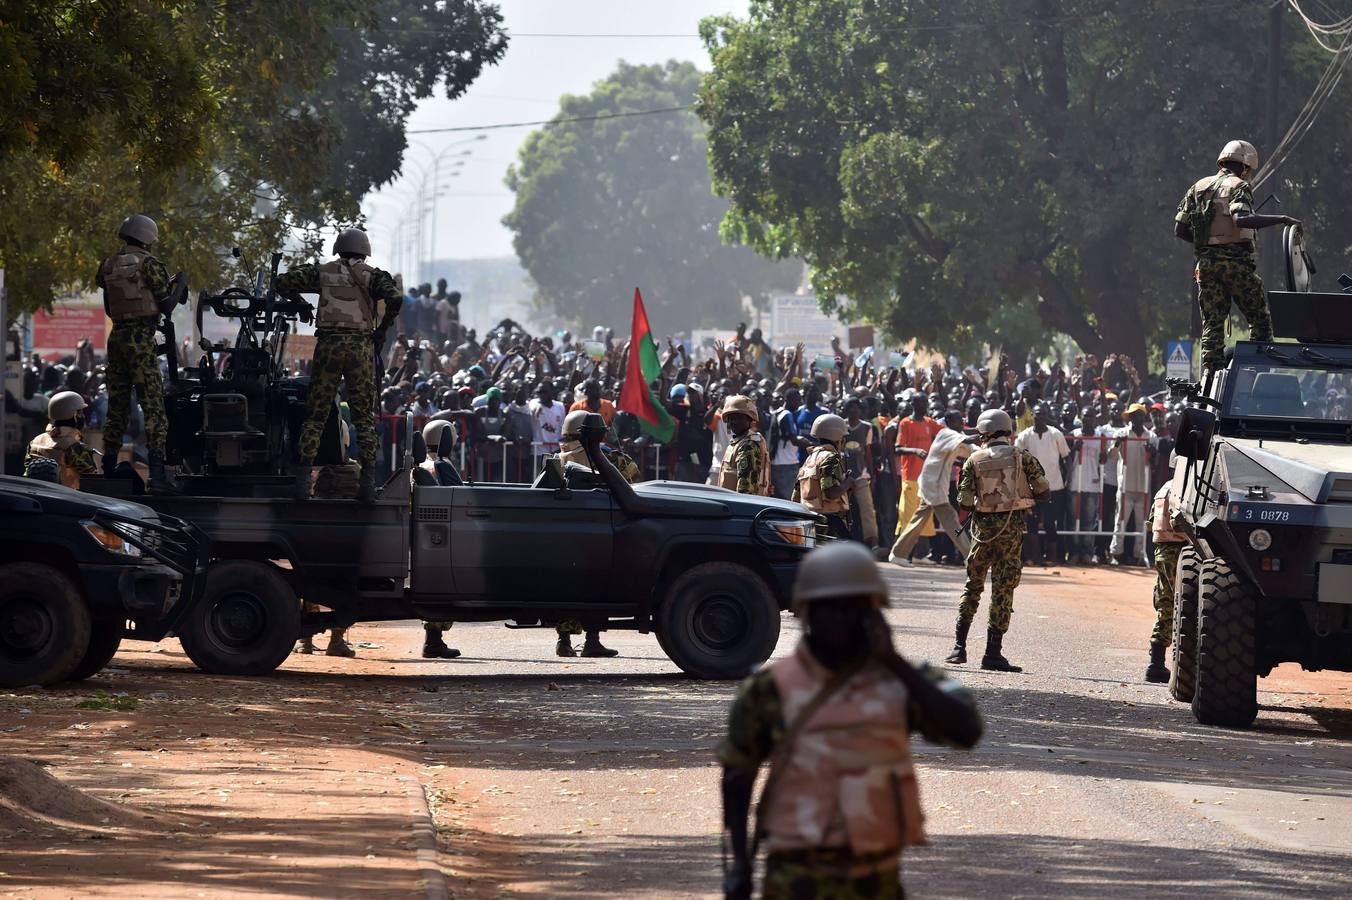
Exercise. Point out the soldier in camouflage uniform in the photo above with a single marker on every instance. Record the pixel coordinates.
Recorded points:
(1216, 215)
(134, 283)
(823, 485)
(999, 484)
(746, 462)
(1168, 544)
(345, 349)
(834, 719)
(62, 442)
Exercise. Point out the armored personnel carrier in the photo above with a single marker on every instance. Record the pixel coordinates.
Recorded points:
(1263, 486)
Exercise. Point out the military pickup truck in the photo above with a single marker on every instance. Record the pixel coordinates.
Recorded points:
(78, 574)
(1264, 487)
(704, 569)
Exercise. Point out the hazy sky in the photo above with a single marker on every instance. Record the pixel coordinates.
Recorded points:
(525, 86)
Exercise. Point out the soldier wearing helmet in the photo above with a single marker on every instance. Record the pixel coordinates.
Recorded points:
(348, 339)
(998, 484)
(746, 461)
(1217, 216)
(62, 442)
(834, 719)
(133, 284)
(823, 485)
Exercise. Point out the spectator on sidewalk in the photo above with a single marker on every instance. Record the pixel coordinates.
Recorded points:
(784, 443)
(1108, 508)
(949, 447)
(1087, 455)
(1134, 448)
(915, 433)
(1048, 446)
(859, 460)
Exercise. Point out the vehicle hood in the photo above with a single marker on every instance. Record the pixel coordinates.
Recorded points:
(1320, 472)
(60, 500)
(705, 498)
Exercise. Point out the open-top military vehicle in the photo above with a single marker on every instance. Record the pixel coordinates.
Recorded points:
(1263, 485)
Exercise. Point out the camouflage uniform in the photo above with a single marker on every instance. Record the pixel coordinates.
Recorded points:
(997, 547)
(1166, 568)
(132, 362)
(830, 473)
(342, 356)
(749, 461)
(1226, 272)
(64, 446)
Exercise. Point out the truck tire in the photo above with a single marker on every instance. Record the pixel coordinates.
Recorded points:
(44, 625)
(1226, 691)
(245, 623)
(105, 637)
(718, 621)
(1183, 673)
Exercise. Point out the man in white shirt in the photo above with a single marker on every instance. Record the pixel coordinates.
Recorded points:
(546, 416)
(949, 447)
(1109, 428)
(1048, 447)
(1087, 455)
(1133, 450)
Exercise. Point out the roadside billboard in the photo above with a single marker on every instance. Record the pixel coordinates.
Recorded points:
(74, 316)
(796, 317)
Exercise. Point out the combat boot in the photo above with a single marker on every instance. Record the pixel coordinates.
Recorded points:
(564, 647)
(161, 482)
(338, 646)
(306, 645)
(994, 659)
(593, 648)
(434, 645)
(366, 487)
(301, 490)
(1157, 672)
(959, 654)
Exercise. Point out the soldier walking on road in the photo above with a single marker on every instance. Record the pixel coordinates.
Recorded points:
(345, 348)
(823, 485)
(746, 462)
(999, 484)
(134, 283)
(834, 719)
(62, 442)
(1168, 544)
(1217, 215)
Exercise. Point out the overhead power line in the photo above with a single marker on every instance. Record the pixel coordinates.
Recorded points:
(550, 122)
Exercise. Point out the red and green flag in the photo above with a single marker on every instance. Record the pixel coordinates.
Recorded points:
(644, 368)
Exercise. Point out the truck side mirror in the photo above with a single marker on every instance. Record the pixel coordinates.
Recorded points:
(1195, 432)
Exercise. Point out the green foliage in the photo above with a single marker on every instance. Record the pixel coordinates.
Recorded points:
(109, 702)
(942, 163)
(604, 206)
(248, 123)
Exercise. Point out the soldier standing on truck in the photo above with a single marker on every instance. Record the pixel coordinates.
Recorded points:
(62, 442)
(746, 462)
(834, 719)
(823, 485)
(347, 339)
(1217, 216)
(1168, 544)
(134, 283)
(999, 484)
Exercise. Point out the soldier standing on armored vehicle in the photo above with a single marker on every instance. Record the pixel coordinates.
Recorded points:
(134, 283)
(1217, 215)
(345, 349)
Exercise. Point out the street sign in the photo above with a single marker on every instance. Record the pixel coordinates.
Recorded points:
(1178, 359)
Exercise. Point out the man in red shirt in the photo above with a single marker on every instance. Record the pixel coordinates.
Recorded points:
(592, 401)
(915, 433)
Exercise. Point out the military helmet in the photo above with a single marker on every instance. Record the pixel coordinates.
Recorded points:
(841, 569)
(993, 421)
(352, 240)
(829, 427)
(573, 422)
(740, 403)
(64, 406)
(139, 228)
(433, 433)
(1241, 152)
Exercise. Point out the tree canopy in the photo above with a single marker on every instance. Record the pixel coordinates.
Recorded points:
(967, 172)
(245, 123)
(605, 206)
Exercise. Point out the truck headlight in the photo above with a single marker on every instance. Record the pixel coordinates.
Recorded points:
(798, 532)
(111, 540)
(1260, 539)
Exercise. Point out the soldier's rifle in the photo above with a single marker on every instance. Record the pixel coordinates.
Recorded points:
(178, 295)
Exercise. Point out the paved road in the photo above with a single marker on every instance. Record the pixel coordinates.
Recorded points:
(580, 778)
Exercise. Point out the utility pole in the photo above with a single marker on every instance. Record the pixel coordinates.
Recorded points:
(1273, 271)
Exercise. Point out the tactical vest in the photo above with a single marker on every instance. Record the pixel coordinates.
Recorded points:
(125, 288)
(1161, 520)
(345, 302)
(1223, 227)
(810, 484)
(848, 781)
(52, 444)
(1001, 483)
(727, 476)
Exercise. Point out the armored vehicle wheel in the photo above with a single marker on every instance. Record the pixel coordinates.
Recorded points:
(245, 623)
(1226, 692)
(718, 620)
(1183, 673)
(105, 636)
(44, 625)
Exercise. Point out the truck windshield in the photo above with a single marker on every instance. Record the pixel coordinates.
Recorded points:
(1278, 391)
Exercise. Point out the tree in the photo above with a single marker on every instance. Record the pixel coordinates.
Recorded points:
(252, 124)
(944, 163)
(604, 206)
